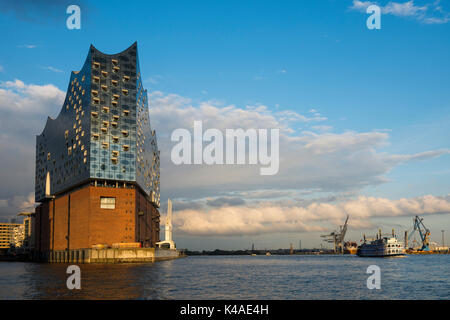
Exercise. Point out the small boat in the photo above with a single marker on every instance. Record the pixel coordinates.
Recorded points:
(381, 247)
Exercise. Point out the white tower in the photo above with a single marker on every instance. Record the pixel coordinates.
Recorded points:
(168, 236)
(168, 242)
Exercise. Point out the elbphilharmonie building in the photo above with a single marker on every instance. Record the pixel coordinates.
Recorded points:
(97, 164)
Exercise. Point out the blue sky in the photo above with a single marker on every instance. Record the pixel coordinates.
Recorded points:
(284, 55)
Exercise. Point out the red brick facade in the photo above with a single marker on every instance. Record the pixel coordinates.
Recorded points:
(75, 220)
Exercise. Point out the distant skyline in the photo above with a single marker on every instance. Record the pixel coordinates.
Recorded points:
(364, 115)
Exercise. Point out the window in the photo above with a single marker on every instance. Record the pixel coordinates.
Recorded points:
(114, 83)
(94, 114)
(115, 97)
(96, 79)
(115, 139)
(104, 73)
(105, 109)
(107, 203)
(48, 156)
(126, 147)
(66, 134)
(126, 112)
(96, 65)
(115, 62)
(94, 93)
(114, 160)
(104, 88)
(105, 145)
(95, 136)
(114, 103)
(125, 133)
(126, 78)
(125, 91)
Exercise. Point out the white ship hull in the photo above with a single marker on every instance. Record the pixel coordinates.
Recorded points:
(386, 247)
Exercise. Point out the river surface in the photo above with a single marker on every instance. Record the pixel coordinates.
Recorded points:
(235, 277)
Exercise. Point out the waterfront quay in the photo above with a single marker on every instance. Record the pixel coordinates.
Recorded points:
(112, 255)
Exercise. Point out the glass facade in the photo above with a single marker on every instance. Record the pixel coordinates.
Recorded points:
(103, 131)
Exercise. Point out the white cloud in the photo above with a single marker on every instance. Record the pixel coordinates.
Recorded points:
(430, 13)
(24, 109)
(28, 46)
(406, 9)
(308, 160)
(361, 5)
(53, 69)
(16, 96)
(322, 128)
(264, 219)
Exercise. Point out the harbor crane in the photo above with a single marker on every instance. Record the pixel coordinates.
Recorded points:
(337, 238)
(423, 231)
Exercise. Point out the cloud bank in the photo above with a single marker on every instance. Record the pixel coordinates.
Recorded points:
(321, 171)
(429, 13)
(264, 218)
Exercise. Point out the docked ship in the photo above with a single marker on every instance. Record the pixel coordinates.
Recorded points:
(381, 247)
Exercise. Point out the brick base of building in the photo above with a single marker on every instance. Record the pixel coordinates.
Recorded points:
(75, 220)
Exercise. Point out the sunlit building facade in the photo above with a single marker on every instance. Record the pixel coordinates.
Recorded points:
(97, 163)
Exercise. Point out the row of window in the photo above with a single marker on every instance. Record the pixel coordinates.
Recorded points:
(115, 83)
(106, 110)
(105, 88)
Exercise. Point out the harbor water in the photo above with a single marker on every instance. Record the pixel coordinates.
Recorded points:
(235, 277)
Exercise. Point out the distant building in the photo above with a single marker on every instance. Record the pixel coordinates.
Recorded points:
(97, 163)
(18, 236)
(28, 226)
(8, 235)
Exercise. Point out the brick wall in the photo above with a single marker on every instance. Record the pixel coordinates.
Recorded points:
(85, 223)
(147, 221)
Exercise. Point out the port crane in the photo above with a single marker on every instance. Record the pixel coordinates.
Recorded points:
(337, 238)
(423, 231)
